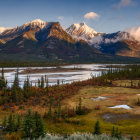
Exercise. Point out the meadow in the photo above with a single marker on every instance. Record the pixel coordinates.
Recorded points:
(76, 107)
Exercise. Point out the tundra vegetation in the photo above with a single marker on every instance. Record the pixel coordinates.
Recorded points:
(33, 111)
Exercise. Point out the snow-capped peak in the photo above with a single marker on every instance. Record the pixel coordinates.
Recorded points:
(36, 25)
(37, 21)
(81, 31)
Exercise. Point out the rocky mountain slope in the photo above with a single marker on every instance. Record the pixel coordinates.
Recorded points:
(49, 42)
(43, 41)
(119, 43)
(82, 32)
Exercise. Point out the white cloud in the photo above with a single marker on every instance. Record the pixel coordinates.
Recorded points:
(135, 32)
(124, 3)
(91, 15)
(60, 18)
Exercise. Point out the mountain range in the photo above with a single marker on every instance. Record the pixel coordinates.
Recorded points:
(49, 42)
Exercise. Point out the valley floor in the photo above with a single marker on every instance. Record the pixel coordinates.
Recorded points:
(99, 99)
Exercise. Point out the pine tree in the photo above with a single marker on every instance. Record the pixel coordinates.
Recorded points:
(42, 82)
(80, 105)
(4, 123)
(117, 133)
(3, 82)
(39, 85)
(97, 130)
(38, 130)
(18, 122)
(120, 135)
(58, 82)
(113, 132)
(28, 125)
(11, 124)
(26, 87)
(79, 108)
(16, 81)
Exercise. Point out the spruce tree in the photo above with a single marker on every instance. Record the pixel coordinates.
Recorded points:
(79, 108)
(3, 82)
(50, 107)
(18, 122)
(28, 125)
(26, 87)
(97, 130)
(11, 124)
(58, 82)
(39, 85)
(16, 81)
(117, 133)
(38, 130)
(4, 123)
(42, 82)
(113, 132)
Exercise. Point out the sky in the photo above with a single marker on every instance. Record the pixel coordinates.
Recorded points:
(103, 15)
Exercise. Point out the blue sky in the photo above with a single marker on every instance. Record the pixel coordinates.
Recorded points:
(102, 15)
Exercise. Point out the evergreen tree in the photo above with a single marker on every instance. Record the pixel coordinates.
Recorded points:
(50, 107)
(18, 122)
(4, 123)
(11, 124)
(42, 82)
(58, 82)
(38, 130)
(117, 133)
(113, 132)
(28, 125)
(3, 82)
(26, 87)
(39, 85)
(97, 130)
(80, 105)
(79, 108)
(16, 81)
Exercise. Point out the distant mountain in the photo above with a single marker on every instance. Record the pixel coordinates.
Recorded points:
(48, 42)
(43, 41)
(82, 31)
(119, 43)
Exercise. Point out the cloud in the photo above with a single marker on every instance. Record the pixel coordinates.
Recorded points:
(91, 15)
(134, 32)
(124, 3)
(60, 18)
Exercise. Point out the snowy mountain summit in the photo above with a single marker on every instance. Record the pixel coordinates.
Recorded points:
(81, 31)
(37, 22)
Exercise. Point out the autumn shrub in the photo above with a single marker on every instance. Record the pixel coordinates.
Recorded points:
(97, 107)
(74, 121)
(13, 136)
(83, 111)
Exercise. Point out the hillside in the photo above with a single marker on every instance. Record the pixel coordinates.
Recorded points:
(39, 41)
